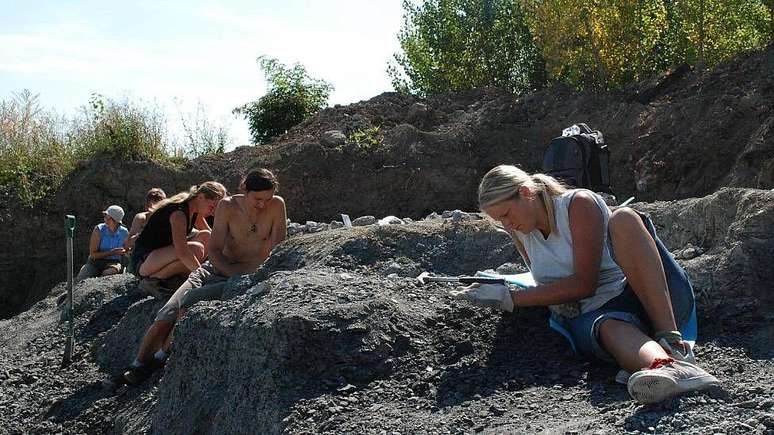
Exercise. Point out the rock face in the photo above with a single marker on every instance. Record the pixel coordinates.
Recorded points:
(334, 335)
(684, 135)
(731, 244)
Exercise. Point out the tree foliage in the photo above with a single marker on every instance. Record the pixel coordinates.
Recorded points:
(453, 45)
(291, 96)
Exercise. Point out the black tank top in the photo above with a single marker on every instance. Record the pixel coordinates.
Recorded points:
(157, 232)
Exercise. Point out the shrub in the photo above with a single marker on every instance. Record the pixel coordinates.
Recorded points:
(365, 138)
(201, 136)
(121, 129)
(34, 151)
(38, 147)
(291, 97)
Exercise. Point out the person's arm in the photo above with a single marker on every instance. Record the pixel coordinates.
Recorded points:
(134, 230)
(179, 225)
(201, 223)
(279, 225)
(279, 229)
(587, 237)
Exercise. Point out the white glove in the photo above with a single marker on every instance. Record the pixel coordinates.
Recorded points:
(486, 295)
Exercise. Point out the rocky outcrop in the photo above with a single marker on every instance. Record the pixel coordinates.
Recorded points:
(334, 335)
(725, 242)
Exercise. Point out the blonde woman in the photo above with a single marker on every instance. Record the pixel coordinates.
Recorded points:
(605, 276)
(174, 239)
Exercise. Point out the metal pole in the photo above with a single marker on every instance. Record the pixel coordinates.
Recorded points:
(69, 234)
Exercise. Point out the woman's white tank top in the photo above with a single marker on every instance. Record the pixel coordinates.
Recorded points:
(552, 259)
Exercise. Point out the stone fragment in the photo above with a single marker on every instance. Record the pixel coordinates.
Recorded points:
(333, 138)
(363, 221)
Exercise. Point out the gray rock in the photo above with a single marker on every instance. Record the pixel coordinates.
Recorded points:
(363, 220)
(334, 225)
(511, 268)
(459, 216)
(432, 216)
(294, 228)
(333, 138)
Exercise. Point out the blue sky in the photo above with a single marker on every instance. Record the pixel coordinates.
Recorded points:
(190, 51)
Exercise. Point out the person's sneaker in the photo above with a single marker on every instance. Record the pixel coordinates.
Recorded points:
(136, 375)
(673, 344)
(174, 282)
(666, 378)
(154, 287)
(680, 351)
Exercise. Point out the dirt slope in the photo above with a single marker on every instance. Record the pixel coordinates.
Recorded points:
(682, 135)
(333, 335)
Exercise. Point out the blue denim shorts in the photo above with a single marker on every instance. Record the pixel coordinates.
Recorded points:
(626, 307)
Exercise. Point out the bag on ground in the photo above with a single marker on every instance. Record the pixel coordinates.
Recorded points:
(580, 158)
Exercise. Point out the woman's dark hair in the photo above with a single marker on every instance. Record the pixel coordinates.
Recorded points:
(259, 180)
(155, 195)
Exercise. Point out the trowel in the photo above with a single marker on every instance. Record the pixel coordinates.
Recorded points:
(425, 277)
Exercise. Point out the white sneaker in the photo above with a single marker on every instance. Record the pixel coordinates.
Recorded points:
(666, 378)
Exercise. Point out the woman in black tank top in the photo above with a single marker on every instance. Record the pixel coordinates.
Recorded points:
(174, 239)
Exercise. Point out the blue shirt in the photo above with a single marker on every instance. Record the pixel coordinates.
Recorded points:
(109, 240)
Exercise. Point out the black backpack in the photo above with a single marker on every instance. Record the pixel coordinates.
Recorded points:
(579, 158)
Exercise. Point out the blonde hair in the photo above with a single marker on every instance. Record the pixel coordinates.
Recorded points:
(210, 190)
(502, 183)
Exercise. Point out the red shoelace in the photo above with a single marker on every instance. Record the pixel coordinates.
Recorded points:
(660, 362)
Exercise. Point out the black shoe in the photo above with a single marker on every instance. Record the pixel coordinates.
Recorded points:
(174, 282)
(154, 287)
(136, 375)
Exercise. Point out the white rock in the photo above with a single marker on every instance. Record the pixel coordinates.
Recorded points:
(390, 220)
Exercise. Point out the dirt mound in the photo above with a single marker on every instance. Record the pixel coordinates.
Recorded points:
(333, 335)
(685, 134)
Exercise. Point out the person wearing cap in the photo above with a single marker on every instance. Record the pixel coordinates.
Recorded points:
(106, 246)
(153, 197)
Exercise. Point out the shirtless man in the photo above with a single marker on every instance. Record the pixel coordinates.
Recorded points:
(247, 227)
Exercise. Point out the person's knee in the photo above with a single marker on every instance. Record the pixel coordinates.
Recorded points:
(608, 330)
(202, 236)
(623, 221)
(110, 271)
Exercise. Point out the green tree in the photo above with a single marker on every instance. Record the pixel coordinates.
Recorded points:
(718, 29)
(291, 96)
(600, 44)
(454, 45)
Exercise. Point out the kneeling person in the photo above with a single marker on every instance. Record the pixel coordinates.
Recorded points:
(247, 227)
